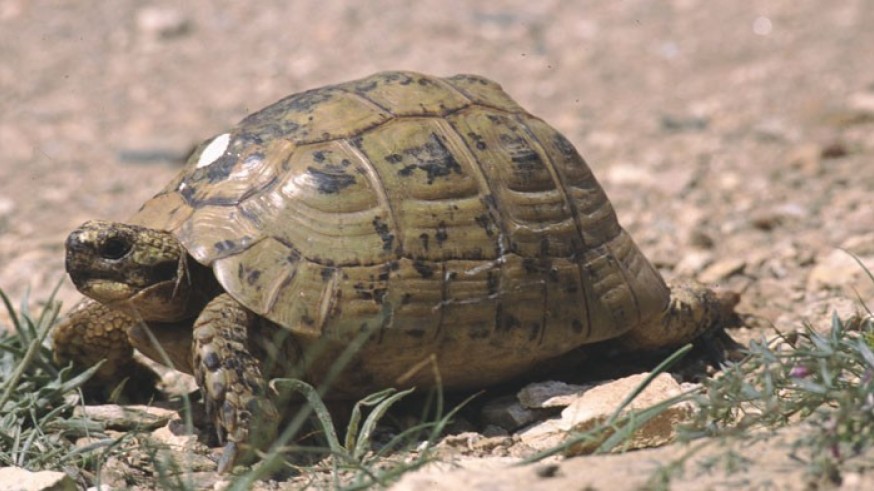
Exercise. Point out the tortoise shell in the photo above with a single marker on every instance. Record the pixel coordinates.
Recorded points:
(432, 211)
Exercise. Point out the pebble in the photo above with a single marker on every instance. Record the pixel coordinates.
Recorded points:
(692, 262)
(835, 150)
(6, 206)
(807, 158)
(775, 130)
(772, 218)
(683, 123)
(598, 403)
(508, 413)
(18, 479)
(162, 22)
(549, 394)
(722, 269)
(127, 417)
(862, 102)
(837, 269)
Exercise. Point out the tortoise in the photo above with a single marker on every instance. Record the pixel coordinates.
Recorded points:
(414, 217)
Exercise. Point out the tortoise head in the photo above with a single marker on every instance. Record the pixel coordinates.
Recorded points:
(138, 270)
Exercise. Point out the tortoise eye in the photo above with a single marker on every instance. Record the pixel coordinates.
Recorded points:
(114, 248)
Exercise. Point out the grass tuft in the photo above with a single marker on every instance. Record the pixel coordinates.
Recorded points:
(823, 381)
(37, 398)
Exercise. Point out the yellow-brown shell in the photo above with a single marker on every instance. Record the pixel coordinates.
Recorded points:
(411, 204)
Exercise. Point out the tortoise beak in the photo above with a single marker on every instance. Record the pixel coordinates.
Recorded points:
(93, 263)
(118, 264)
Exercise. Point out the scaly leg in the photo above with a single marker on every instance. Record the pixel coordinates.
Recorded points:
(92, 332)
(230, 377)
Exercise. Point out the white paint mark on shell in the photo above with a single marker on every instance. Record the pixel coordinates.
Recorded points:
(214, 150)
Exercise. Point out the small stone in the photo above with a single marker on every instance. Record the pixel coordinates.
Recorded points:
(862, 102)
(507, 412)
(834, 150)
(839, 270)
(721, 270)
(770, 219)
(544, 435)
(132, 417)
(550, 394)
(860, 245)
(629, 175)
(464, 441)
(162, 22)
(6, 206)
(184, 449)
(547, 471)
(701, 239)
(684, 123)
(774, 130)
(692, 262)
(168, 437)
(807, 158)
(598, 403)
(490, 444)
(18, 479)
(491, 431)
(820, 312)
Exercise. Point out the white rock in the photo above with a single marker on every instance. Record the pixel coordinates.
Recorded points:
(176, 442)
(862, 102)
(18, 479)
(127, 417)
(692, 262)
(161, 22)
(722, 269)
(598, 403)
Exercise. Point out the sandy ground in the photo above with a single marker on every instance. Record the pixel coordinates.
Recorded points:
(734, 138)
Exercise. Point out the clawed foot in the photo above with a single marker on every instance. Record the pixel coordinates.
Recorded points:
(230, 378)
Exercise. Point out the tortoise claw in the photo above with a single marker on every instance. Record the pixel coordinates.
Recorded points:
(229, 456)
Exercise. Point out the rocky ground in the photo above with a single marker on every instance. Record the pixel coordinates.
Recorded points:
(734, 138)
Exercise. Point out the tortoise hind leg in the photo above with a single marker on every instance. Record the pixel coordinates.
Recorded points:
(92, 332)
(693, 311)
(230, 377)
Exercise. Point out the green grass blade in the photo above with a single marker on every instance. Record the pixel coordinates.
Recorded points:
(355, 418)
(372, 419)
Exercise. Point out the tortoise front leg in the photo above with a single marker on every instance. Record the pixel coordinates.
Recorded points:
(230, 377)
(92, 332)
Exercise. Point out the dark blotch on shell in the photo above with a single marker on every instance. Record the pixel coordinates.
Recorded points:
(486, 223)
(478, 332)
(415, 333)
(433, 157)
(577, 326)
(441, 235)
(330, 182)
(492, 281)
(424, 269)
(384, 233)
